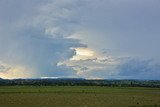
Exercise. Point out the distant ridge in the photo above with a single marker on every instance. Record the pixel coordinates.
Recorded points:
(79, 82)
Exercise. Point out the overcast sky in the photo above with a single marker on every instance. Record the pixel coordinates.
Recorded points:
(111, 39)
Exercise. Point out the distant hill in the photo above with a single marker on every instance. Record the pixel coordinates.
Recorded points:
(79, 82)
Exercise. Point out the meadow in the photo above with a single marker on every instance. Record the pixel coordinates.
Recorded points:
(78, 96)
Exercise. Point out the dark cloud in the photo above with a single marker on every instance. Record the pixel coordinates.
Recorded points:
(30, 39)
(39, 34)
(139, 69)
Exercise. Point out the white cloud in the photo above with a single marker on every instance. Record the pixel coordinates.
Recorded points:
(86, 61)
(69, 37)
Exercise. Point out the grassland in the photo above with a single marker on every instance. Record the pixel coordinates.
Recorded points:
(78, 96)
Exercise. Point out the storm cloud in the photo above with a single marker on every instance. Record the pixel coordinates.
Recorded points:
(37, 41)
(80, 38)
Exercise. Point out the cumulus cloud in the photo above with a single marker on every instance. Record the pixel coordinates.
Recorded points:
(36, 39)
(126, 28)
(91, 64)
(83, 38)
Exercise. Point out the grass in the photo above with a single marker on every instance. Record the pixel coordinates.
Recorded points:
(78, 96)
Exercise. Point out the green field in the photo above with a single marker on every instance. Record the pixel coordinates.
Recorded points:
(78, 96)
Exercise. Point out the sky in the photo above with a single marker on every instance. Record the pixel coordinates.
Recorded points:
(93, 39)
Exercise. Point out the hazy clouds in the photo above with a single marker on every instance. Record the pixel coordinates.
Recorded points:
(36, 35)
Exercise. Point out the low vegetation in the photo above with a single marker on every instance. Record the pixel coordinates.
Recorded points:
(78, 96)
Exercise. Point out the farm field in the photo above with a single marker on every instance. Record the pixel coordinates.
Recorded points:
(78, 96)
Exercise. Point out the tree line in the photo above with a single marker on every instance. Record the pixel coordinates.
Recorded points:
(80, 82)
